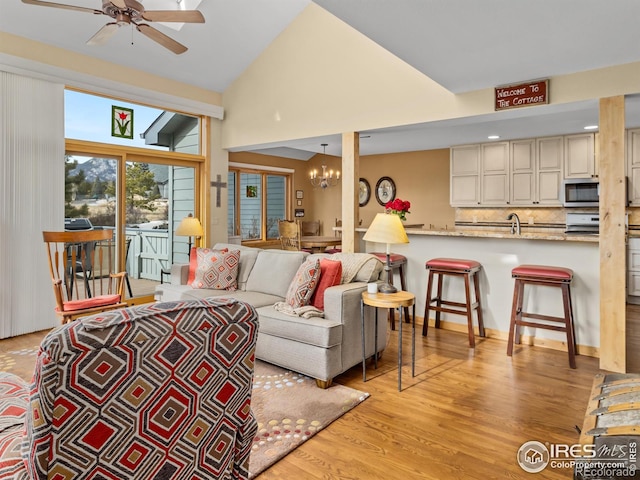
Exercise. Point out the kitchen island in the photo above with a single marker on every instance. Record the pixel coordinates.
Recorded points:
(500, 251)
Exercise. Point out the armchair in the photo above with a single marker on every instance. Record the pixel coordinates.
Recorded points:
(155, 391)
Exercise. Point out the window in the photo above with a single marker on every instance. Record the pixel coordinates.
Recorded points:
(257, 200)
(140, 189)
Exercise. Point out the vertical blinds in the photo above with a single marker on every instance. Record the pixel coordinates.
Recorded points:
(31, 199)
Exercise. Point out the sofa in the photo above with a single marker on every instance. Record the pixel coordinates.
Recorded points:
(319, 347)
(158, 391)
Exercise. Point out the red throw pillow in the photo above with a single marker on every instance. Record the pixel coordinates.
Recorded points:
(193, 264)
(330, 275)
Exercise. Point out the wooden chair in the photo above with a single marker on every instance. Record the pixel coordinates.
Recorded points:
(338, 233)
(289, 233)
(310, 227)
(81, 266)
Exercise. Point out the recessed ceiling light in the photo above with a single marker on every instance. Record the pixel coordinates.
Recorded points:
(493, 137)
(591, 127)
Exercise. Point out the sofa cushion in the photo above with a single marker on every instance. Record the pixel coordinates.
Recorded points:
(217, 269)
(175, 293)
(330, 275)
(273, 271)
(312, 331)
(303, 284)
(248, 257)
(193, 264)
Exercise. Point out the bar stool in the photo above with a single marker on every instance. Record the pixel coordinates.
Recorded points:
(396, 262)
(468, 269)
(550, 277)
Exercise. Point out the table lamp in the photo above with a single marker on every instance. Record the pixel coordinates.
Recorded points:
(190, 227)
(386, 228)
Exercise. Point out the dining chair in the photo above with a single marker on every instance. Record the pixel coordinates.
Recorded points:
(310, 227)
(81, 264)
(289, 234)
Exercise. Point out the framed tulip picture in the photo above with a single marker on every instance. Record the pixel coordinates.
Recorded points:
(121, 122)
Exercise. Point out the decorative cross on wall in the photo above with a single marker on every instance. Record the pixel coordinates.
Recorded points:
(219, 185)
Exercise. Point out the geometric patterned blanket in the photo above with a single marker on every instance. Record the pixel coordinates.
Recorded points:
(157, 391)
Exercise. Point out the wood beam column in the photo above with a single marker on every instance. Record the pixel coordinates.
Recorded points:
(350, 181)
(612, 235)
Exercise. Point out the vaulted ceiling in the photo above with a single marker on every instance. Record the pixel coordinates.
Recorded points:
(464, 45)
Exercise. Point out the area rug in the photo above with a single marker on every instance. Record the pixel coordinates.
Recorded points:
(289, 407)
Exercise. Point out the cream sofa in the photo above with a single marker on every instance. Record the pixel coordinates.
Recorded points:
(318, 347)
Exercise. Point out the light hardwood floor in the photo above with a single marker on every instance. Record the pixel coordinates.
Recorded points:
(464, 416)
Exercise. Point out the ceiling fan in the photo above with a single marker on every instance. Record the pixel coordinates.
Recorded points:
(131, 12)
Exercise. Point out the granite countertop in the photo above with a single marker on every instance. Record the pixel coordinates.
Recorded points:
(489, 233)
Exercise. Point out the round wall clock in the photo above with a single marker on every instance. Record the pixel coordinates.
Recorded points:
(385, 190)
(364, 192)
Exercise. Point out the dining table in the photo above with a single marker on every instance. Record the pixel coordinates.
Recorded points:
(318, 243)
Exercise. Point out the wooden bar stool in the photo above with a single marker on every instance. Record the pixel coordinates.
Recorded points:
(550, 277)
(468, 269)
(396, 262)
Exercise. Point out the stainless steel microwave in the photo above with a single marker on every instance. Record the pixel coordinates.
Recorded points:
(581, 192)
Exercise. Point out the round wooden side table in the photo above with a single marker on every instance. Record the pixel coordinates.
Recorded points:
(397, 300)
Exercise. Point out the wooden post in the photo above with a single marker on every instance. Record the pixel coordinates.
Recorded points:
(612, 235)
(350, 181)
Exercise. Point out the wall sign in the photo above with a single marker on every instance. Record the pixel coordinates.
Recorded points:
(522, 95)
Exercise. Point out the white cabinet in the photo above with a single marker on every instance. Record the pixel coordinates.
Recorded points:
(494, 173)
(523, 172)
(550, 156)
(579, 158)
(465, 176)
(536, 171)
(633, 271)
(633, 166)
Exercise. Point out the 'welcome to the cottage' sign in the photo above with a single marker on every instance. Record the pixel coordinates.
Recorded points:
(522, 95)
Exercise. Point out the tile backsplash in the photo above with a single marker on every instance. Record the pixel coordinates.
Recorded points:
(532, 219)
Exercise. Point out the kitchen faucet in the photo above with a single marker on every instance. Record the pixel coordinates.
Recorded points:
(515, 223)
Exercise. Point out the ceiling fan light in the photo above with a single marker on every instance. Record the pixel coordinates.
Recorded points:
(122, 19)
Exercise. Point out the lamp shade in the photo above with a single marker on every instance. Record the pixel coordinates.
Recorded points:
(386, 228)
(190, 226)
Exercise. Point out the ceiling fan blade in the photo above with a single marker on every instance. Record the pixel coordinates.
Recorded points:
(40, 3)
(185, 16)
(161, 38)
(104, 34)
(120, 4)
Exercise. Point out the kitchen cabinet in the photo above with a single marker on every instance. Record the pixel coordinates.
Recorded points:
(579, 158)
(633, 166)
(536, 171)
(550, 157)
(494, 174)
(633, 271)
(523, 172)
(465, 176)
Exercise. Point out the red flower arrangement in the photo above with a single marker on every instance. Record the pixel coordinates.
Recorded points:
(399, 207)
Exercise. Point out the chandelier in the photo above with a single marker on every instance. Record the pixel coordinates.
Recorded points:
(327, 178)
